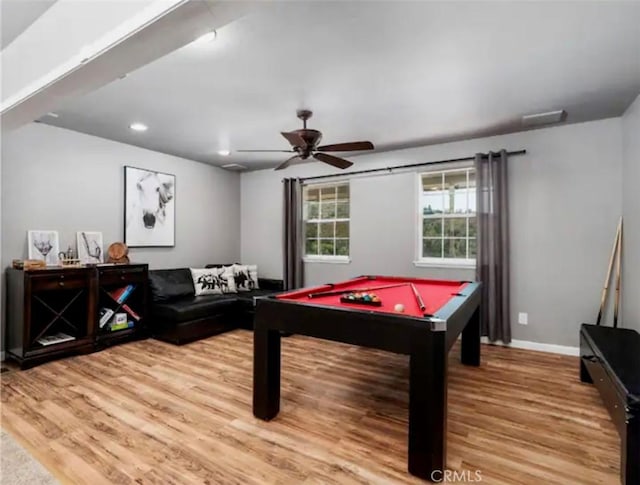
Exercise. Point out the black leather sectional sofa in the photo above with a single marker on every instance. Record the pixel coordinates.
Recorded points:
(178, 316)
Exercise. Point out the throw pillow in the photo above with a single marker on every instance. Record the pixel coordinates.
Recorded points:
(212, 281)
(246, 277)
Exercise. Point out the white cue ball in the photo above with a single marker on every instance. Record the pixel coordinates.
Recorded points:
(399, 307)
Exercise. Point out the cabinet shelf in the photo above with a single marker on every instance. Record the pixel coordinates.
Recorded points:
(46, 302)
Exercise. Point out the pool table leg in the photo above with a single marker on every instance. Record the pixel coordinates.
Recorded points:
(470, 353)
(428, 406)
(266, 373)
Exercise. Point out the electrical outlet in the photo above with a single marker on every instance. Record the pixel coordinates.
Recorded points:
(523, 318)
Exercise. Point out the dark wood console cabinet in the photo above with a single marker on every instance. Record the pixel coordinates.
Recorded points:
(46, 302)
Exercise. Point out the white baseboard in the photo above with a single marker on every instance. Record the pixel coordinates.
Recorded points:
(540, 347)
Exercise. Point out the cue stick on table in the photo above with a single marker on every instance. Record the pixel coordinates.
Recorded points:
(354, 290)
(605, 290)
(418, 297)
(618, 263)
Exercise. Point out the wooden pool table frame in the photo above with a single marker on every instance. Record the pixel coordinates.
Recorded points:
(426, 340)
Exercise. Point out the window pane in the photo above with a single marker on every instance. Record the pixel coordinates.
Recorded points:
(342, 247)
(326, 229)
(432, 248)
(343, 192)
(343, 210)
(431, 227)
(342, 229)
(473, 227)
(432, 195)
(472, 191)
(326, 247)
(328, 210)
(473, 248)
(455, 248)
(455, 187)
(328, 193)
(313, 210)
(312, 195)
(311, 246)
(472, 201)
(311, 230)
(455, 227)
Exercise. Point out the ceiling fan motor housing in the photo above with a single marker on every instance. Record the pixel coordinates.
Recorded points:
(311, 139)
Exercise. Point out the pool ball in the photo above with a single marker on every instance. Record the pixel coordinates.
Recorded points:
(399, 307)
(366, 297)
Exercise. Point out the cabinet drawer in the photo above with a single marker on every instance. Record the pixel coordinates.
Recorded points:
(612, 400)
(111, 276)
(58, 281)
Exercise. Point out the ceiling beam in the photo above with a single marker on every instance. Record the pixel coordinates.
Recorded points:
(150, 35)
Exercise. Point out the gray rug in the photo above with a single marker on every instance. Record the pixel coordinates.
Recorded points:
(18, 467)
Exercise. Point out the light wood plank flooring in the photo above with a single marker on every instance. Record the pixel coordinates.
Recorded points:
(150, 412)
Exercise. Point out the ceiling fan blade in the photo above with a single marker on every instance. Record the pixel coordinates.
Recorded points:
(347, 147)
(286, 163)
(331, 160)
(295, 139)
(264, 151)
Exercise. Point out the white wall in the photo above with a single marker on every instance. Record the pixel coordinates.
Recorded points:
(67, 181)
(565, 202)
(631, 210)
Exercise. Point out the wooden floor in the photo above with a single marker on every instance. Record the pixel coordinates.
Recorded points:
(150, 412)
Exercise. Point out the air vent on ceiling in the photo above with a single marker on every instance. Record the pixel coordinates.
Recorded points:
(234, 166)
(544, 118)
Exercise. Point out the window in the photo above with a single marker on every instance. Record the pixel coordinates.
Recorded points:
(326, 221)
(448, 217)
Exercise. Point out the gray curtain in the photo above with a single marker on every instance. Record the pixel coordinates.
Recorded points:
(292, 240)
(492, 267)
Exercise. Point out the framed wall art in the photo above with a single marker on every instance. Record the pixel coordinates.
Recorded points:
(44, 246)
(149, 208)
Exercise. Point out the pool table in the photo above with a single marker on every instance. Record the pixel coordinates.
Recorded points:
(449, 308)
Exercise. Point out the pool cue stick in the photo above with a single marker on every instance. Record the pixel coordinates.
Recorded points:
(605, 289)
(354, 290)
(418, 297)
(616, 305)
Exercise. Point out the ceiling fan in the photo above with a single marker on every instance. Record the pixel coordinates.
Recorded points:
(305, 144)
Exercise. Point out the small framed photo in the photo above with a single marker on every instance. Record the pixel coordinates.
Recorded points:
(89, 247)
(44, 246)
(149, 208)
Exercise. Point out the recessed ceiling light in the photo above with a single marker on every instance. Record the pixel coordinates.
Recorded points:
(208, 37)
(53, 115)
(138, 127)
(224, 153)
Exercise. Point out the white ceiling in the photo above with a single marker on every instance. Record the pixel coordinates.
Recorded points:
(17, 15)
(399, 74)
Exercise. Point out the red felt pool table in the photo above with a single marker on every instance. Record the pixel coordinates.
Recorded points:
(451, 308)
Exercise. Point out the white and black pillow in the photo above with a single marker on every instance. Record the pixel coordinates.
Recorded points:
(246, 277)
(213, 281)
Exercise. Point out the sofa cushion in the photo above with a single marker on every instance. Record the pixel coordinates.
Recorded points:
(168, 284)
(192, 308)
(213, 281)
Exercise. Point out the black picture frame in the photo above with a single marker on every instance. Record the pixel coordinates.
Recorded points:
(147, 224)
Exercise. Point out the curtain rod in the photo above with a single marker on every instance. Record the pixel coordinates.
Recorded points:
(396, 167)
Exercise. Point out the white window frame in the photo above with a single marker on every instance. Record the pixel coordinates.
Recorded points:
(462, 263)
(325, 258)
